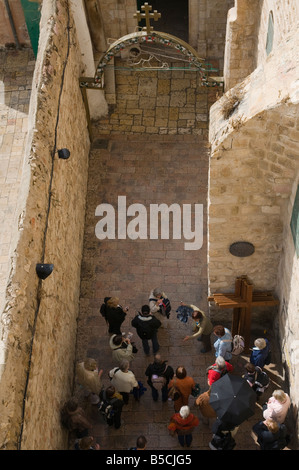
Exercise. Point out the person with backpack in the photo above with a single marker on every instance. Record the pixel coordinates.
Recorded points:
(147, 326)
(159, 303)
(110, 406)
(218, 370)
(257, 379)
(223, 344)
(260, 355)
(159, 374)
(202, 328)
(271, 435)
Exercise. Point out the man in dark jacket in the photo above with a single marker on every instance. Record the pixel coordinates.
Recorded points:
(147, 327)
(159, 375)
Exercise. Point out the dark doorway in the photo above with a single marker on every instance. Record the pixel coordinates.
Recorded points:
(174, 16)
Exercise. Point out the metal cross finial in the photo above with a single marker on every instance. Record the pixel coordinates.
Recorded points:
(148, 16)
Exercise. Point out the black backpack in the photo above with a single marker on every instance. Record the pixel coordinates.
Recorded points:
(105, 407)
(165, 307)
(144, 330)
(103, 308)
(223, 441)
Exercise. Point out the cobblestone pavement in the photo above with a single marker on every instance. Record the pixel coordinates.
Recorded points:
(147, 170)
(16, 72)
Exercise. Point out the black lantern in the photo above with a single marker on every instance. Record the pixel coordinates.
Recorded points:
(64, 154)
(44, 270)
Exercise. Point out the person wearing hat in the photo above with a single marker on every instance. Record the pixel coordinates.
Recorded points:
(147, 326)
(260, 354)
(182, 424)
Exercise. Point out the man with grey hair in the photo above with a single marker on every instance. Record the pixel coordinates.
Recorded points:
(182, 424)
(218, 370)
(159, 303)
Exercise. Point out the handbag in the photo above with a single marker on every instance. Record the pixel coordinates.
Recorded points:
(196, 391)
(174, 393)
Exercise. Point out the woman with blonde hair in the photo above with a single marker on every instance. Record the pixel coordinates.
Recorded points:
(89, 377)
(271, 435)
(115, 315)
(277, 406)
(260, 354)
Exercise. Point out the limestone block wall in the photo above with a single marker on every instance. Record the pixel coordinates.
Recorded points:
(159, 102)
(285, 17)
(118, 17)
(40, 316)
(288, 291)
(246, 35)
(240, 57)
(209, 27)
(254, 159)
(254, 171)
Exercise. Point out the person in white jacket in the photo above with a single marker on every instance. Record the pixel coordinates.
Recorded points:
(277, 406)
(123, 379)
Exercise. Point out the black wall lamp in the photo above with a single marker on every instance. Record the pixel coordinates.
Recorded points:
(64, 154)
(44, 270)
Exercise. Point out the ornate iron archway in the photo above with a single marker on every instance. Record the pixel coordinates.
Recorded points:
(147, 36)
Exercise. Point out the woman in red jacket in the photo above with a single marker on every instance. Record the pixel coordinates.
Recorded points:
(182, 424)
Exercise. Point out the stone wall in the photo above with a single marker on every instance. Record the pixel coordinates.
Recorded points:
(40, 316)
(254, 171)
(288, 292)
(209, 25)
(246, 35)
(159, 102)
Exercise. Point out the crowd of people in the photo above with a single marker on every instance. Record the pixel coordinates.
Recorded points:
(175, 385)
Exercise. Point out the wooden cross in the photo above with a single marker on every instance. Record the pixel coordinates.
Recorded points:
(242, 301)
(148, 16)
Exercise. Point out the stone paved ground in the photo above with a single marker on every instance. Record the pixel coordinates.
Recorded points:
(149, 169)
(16, 72)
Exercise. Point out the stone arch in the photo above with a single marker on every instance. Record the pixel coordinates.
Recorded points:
(162, 39)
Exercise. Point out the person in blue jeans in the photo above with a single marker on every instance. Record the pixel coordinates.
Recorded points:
(147, 326)
(223, 344)
(183, 424)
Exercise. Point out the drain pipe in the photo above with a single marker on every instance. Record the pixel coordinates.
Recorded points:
(12, 23)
